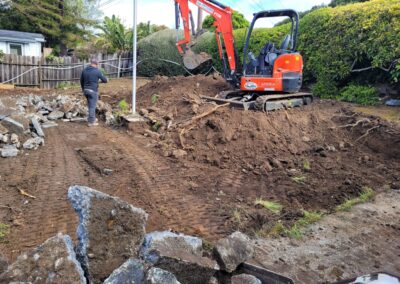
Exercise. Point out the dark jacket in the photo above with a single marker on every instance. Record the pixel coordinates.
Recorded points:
(90, 79)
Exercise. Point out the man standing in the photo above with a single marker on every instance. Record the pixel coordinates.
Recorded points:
(90, 86)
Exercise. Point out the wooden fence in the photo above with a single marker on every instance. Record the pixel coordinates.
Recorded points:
(49, 73)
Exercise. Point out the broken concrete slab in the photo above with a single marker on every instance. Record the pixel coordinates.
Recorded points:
(3, 130)
(187, 267)
(132, 271)
(110, 231)
(33, 143)
(180, 255)
(9, 151)
(37, 126)
(49, 124)
(233, 250)
(159, 276)
(165, 240)
(52, 262)
(56, 114)
(12, 125)
(245, 279)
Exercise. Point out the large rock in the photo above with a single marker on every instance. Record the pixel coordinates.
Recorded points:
(233, 250)
(245, 279)
(33, 143)
(9, 151)
(155, 241)
(159, 276)
(52, 262)
(180, 255)
(132, 271)
(56, 114)
(110, 231)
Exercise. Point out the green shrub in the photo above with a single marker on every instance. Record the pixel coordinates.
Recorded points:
(359, 94)
(155, 48)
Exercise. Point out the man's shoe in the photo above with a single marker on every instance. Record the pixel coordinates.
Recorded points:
(93, 124)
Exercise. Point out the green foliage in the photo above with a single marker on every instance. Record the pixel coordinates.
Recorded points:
(335, 41)
(335, 3)
(359, 94)
(115, 36)
(299, 179)
(4, 231)
(366, 195)
(306, 165)
(1, 55)
(123, 106)
(274, 207)
(157, 46)
(64, 23)
(65, 85)
(309, 217)
(238, 22)
(154, 99)
(146, 29)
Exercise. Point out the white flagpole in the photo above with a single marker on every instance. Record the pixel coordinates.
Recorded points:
(134, 56)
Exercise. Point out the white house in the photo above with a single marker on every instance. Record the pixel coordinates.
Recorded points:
(21, 43)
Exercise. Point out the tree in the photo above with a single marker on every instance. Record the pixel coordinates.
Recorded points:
(65, 23)
(238, 21)
(335, 3)
(115, 37)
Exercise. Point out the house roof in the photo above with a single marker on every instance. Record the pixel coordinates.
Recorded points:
(15, 36)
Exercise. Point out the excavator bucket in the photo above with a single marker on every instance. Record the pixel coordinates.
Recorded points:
(192, 60)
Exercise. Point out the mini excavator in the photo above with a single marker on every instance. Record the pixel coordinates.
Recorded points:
(268, 81)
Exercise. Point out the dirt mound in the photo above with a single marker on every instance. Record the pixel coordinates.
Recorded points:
(311, 158)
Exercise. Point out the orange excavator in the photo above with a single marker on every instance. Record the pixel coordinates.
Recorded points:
(268, 81)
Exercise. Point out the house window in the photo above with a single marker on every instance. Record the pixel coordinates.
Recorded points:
(16, 48)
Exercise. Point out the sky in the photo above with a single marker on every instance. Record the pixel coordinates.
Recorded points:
(161, 12)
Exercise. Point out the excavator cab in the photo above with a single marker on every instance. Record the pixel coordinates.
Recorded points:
(263, 64)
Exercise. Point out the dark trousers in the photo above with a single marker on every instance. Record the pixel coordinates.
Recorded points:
(92, 98)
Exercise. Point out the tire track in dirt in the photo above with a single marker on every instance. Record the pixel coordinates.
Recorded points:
(146, 180)
(164, 193)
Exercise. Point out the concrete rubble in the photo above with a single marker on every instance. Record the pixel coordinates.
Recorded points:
(32, 114)
(52, 262)
(132, 271)
(159, 276)
(112, 247)
(245, 279)
(233, 250)
(110, 231)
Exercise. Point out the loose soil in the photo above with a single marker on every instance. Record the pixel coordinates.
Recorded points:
(198, 169)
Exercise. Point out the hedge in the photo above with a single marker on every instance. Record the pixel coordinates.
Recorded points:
(155, 48)
(333, 41)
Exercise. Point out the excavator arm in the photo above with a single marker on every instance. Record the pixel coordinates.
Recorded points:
(223, 24)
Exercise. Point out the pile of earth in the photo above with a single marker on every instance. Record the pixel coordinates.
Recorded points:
(311, 158)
